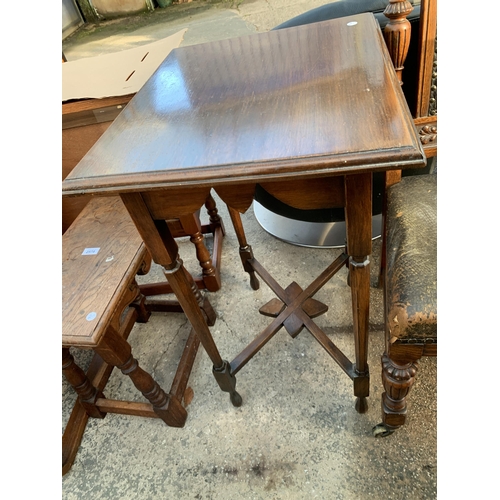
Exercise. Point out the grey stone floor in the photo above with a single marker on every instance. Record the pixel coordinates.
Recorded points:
(297, 434)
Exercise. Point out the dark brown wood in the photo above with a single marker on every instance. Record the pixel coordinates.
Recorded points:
(179, 384)
(428, 31)
(84, 122)
(237, 196)
(242, 112)
(406, 353)
(425, 119)
(160, 204)
(72, 436)
(287, 108)
(336, 354)
(309, 194)
(427, 131)
(75, 144)
(133, 408)
(211, 276)
(98, 373)
(211, 265)
(397, 379)
(294, 323)
(358, 214)
(246, 253)
(164, 251)
(213, 214)
(397, 33)
(294, 307)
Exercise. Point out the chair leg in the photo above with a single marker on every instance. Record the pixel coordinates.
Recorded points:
(381, 270)
(391, 177)
(398, 379)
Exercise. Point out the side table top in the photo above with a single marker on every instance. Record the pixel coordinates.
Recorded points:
(315, 100)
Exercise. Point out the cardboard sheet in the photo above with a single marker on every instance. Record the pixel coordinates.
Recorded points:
(116, 74)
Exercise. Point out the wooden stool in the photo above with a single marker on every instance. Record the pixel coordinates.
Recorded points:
(410, 292)
(102, 254)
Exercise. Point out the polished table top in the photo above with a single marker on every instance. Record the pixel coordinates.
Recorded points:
(310, 101)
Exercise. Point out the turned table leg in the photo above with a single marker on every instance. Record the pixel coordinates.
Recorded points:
(213, 214)
(245, 249)
(116, 351)
(358, 210)
(164, 251)
(192, 227)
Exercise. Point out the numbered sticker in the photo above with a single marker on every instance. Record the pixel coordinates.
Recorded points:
(91, 251)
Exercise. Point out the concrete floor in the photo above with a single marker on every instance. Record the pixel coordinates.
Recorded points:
(297, 434)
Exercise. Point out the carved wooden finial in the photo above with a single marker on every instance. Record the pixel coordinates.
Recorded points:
(397, 33)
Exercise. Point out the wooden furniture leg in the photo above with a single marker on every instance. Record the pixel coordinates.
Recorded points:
(398, 379)
(210, 276)
(294, 308)
(190, 225)
(116, 351)
(410, 298)
(78, 379)
(164, 251)
(119, 255)
(97, 376)
(246, 252)
(358, 190)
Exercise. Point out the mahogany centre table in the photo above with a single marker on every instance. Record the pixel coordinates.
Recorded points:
(307, 113)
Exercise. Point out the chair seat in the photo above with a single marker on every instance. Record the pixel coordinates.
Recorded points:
(411, 280)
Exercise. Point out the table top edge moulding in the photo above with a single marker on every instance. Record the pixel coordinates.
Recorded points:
(212, 114)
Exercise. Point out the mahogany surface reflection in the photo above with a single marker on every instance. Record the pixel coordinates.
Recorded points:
(304, 100)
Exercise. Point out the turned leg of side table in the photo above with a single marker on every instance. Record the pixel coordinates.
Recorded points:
(213, 214)
(245, 249)
(358, 211)
(211, 276)
(164, 251)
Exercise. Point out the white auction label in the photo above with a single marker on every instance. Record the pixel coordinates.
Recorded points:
(90, 251)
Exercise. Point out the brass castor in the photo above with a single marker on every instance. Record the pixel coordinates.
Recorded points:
(381, 430)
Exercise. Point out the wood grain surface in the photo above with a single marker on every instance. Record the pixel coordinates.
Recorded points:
(315, 100)
(90, 283)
